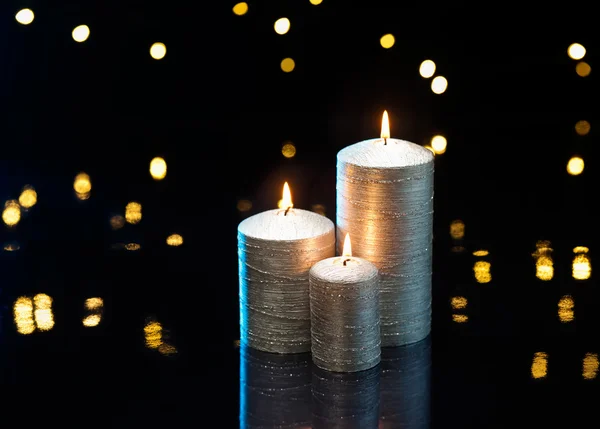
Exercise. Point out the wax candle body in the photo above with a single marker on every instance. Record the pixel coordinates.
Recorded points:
(276, 250)
(384, 200)
(344, 306)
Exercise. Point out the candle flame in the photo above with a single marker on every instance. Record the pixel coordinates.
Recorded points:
(385, 126)
(286, 200)
(347, 246)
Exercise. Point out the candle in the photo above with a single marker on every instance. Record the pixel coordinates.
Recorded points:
(275, 390)
(344, 309)
(385, 201)
(276, 249)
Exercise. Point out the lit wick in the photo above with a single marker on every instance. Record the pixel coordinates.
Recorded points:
(347, 250)
(287, 210)
(346, 261)
(286, 200)
(385, 127)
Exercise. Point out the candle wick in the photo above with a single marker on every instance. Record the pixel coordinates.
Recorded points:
(287, 210)
(385, 141)
(346, 260)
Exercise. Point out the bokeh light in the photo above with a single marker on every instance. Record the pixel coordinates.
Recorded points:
(288, 150)
(287, 65)
(81, 33)
(583, 69)
(566, 312)
(240, 8)
(44, 319)
(387, 41)
(282, 25)
(575, 166)
(590, 366)
(23, 315)
(318, 208)
(158, 168)
(158, 50)
(117, 222)
(174, 240)
(438, 144)
(11, 215)
(133, 212)
(244, 205)
(429, 148)
(576, 51)
(539, 365)
(28, 197)
(427, 69)
(439, 84)
(25, 16)
(316, 2)
(82, 184)
(457, 229)
(582, 127)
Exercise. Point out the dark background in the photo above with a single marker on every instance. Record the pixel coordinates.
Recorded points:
(218, 108)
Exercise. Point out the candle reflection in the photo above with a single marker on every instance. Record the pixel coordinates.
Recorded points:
(590, 366)
(95, 307)
(582, 267)
(539, 366)
(23, 315)
(459, 303)
(544, 265)
(274, 389)
(405, 386)
(566, 312)
(346, 400)
(44, 319)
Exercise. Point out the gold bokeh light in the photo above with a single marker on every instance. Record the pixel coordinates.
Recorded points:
(158, 168)
(133, 212)
(482, 271)
(244, 205)
(158, 50)
(282, 25)
(174, 240)
(153, 334)
(316, 2)
(117, 222)
(11, 215)
(427, 69)
(439, 144)
(28, 197)
(575, 166)
(539, 365)
(439, 84)
(458, 302)
(576, 51)
(81, 33)
(82, 186)
(590, 366)
(387, 41)
(288, 65)
(288, 150)
(583, 69)
(44, 319)
(581, 267)
(566, 312)
(457, 229)
(240, 8)
(23, 315)
(25, 16)
(582, 127)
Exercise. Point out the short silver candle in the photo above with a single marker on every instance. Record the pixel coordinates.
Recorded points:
(275, 390)
(385, 201)
(344, 308)
(276, 250)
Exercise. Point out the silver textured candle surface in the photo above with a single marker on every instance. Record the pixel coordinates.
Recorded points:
(406, 386)
(384, 199)
(344, 307)
(345, 400)
(276, 250)
(275, 390)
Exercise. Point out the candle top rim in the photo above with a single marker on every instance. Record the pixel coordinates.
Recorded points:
(325, 270)
(299, 224)
(396, 154)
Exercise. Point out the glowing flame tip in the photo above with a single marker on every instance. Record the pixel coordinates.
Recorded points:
(385, 126)
(347, 251)
(286, 201)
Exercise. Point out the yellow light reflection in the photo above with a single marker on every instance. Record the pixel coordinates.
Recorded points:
(174, 240)
(481, 253)
(439, 84)
(117, 222)
(539, 366)
(94, 303)
(92, 320)
(132, 246)
(583, 69)
(240, 8)
(44, 319)
(12, 247)
(439, 144)
(28, 197)
(427, 69)
(153, 334)
(457, 229)
(282, 25)
(582, 266)
(460, 318)
(288, 65)
(581, 249)
(575, 166)
(481, 269)
(458, 302)
(576, 51)
(244, 205)
(167, 349)
(582, 127)
(94, 306)
(158, 50)
(566, 312)
(133, 212)
(23, 315)
(387, 41)
(544, 264)
(430, 149)
(590, 366)
(318, 208)
(316, 2)
(288, 150)
(25, 16)
(81, 33)
(11, 215)
(82, 186)
(158, 168)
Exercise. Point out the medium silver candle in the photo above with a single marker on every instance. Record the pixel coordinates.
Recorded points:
(385, 201)
(276, 250)
(344, 308)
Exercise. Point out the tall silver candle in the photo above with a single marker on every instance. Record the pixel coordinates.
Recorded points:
(276, 250)
(406, 386)
(344, 309)
(275, 390)
(385, 201)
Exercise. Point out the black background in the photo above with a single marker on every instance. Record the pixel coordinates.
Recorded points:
(218, 108)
